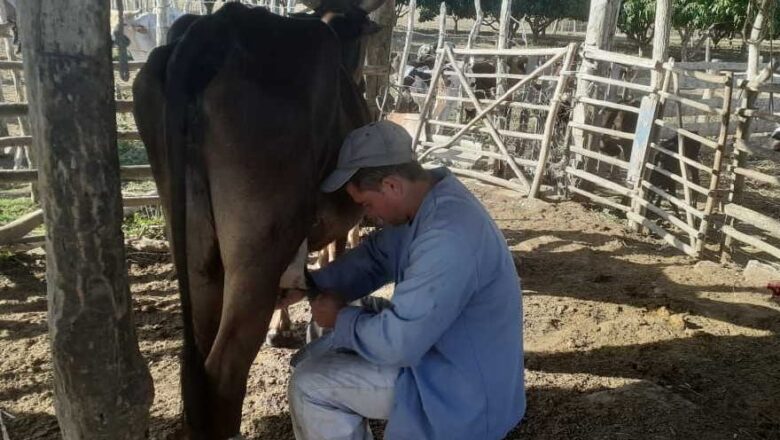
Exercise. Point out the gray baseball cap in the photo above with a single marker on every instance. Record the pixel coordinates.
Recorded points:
(377, 144)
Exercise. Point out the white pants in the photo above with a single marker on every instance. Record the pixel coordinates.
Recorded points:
(332, 394)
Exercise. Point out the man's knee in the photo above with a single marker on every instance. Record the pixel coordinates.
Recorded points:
(306, 378)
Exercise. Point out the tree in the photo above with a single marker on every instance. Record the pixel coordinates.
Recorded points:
(636, 21)
(102, 385)
(456, 9)
(718, 19)
(542, 13)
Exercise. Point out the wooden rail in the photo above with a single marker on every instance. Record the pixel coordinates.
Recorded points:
(130, 172)
(17, 109)
(11, 234)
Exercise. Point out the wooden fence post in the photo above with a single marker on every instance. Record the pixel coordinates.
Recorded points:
(102, 386)
(663, 27)
(378, 48)
(503, 36)
(600, 21)
(162, 22)
(475, 28)
(407, 43)
(442, 25)
(757, 33)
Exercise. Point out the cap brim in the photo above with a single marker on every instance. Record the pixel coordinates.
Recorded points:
(337, 179)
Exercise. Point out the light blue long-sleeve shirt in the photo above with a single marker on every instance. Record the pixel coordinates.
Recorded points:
(455, 327)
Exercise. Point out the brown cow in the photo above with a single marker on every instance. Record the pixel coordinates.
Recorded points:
(242, 117)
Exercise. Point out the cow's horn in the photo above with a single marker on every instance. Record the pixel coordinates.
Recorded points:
(312, 4)
(370, 5)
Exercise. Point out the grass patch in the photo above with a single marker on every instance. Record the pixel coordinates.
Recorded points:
(147, 222)
(12, 209)
(132, 153)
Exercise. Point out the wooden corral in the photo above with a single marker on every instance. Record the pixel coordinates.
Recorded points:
(670, 168)
(521, 135)
(12, 235)
(752, 223)
(526, 127)
(524, 142)
(537, 135)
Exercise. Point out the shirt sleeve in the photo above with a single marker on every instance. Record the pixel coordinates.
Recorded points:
(439, 282)
(363, 269)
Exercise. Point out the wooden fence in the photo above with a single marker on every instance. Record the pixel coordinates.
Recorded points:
(752, 224)
(600, 150)
(13, 234)
(653, 181)
(507, 128)
(676, 165)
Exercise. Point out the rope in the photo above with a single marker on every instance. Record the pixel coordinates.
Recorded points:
(122, 42)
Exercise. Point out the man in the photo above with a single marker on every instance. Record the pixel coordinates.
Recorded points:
(444, 359)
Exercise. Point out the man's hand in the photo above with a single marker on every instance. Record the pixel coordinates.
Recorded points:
(325, 308)
(288, 297)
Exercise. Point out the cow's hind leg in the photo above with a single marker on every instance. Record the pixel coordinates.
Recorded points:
(259, 232)
(251, 285)
(204, 264)
(206, 280)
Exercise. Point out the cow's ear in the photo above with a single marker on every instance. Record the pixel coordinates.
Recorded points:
(370, 28)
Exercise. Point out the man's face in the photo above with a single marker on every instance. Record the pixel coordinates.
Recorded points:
(381, 205)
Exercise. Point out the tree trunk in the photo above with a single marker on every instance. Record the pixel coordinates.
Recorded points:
(442, 25)
(601, 24)
(407, 44)
(662, 29)
(102, 386)
(538, 27)
(378, 47)
(476, 27)
(161, 12)
(760, 25)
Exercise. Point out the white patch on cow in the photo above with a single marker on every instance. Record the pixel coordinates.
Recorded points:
(293, 277)
(141, 29)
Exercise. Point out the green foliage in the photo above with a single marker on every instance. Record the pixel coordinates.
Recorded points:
(429, 9)
(636, 21)
(722, 17)
(12, 209)
(574, 9)
(132, 153)
(541, 13)
(689, 13)
(147, 222)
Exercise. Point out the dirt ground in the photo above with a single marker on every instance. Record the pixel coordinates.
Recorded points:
(625, 338)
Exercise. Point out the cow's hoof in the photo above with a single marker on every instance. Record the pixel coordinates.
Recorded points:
(283, 339)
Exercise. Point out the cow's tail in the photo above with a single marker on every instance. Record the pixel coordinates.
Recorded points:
(194, 62)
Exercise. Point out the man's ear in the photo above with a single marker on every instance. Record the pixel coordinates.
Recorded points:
(393, 184)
